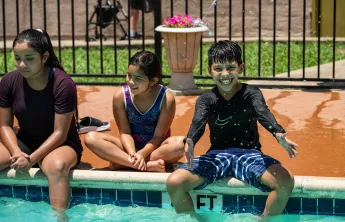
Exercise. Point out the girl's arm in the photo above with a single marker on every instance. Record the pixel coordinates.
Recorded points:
(164, 122)
(122, 122)
(7, 136)
(62, 124)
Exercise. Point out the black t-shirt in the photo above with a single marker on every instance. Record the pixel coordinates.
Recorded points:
(233, 123)
(35, 110)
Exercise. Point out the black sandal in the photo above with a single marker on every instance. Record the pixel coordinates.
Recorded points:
(89, 123)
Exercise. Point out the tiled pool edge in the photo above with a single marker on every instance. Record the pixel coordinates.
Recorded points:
(305, 186)
(312, 195)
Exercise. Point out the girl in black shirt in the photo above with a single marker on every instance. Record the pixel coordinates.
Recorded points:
(232, 110)
(43, 98)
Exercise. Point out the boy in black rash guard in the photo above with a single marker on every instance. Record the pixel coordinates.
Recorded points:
(232, 110)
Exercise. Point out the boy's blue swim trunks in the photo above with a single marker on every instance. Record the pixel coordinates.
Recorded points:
(243, 164)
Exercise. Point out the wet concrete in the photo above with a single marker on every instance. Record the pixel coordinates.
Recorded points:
(314, 120)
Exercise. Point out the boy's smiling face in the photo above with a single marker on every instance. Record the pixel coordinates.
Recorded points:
(225, 75)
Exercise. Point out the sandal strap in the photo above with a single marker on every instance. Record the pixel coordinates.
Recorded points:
(90, 121)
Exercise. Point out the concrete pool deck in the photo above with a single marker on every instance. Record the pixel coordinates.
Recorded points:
(313, 119)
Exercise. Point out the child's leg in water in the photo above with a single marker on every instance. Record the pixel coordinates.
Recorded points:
(179, 183)
(279, 179)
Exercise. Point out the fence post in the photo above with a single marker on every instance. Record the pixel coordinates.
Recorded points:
(157, 6)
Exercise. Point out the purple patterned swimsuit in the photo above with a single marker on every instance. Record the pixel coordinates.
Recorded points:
(143, 125)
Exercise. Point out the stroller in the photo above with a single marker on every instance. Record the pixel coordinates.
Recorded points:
(105, 15)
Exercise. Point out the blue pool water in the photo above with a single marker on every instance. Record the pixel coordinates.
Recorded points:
(14, 209)
(31, 203)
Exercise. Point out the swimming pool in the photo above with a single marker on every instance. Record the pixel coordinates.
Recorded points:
(107, 209)
(129, 196)
(41, 211)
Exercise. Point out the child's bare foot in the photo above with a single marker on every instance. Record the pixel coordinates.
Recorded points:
(61, 215)
(261, 218)
(156, 166)
(115, 166)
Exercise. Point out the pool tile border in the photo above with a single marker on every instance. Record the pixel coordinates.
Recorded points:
(311, 195)
(231, 203)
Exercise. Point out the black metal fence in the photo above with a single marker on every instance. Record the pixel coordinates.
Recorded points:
(102, 9)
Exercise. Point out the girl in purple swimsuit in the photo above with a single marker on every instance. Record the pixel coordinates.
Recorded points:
(143, 110)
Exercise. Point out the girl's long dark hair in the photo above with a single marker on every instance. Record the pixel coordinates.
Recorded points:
(39, 40)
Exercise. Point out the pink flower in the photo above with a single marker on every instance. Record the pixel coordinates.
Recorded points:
(179, 21)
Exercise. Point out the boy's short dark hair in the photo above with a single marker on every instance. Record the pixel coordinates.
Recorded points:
(224, 51)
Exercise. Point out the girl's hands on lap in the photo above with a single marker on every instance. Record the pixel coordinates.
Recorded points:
(15, 156)
(131, 157)
(140, 163)
(287, 144)
(21, 163)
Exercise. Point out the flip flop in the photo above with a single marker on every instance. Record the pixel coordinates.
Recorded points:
(89, 123)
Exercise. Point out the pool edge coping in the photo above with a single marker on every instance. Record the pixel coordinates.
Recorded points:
(305, 186)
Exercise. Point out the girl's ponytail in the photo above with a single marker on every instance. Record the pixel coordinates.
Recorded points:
(52, 60)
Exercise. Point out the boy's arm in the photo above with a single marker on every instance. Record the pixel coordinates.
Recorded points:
(198, 125)
(263, 114)
(267, 120)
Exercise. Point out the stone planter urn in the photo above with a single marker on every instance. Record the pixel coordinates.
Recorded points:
(182, 49)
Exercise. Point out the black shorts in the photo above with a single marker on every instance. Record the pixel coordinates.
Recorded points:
(145, 5)
(29, 146)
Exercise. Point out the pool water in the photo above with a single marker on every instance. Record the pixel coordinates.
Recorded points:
(13, 209)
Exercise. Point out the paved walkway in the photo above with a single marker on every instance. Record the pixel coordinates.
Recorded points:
(314, 120)
(326, 72)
